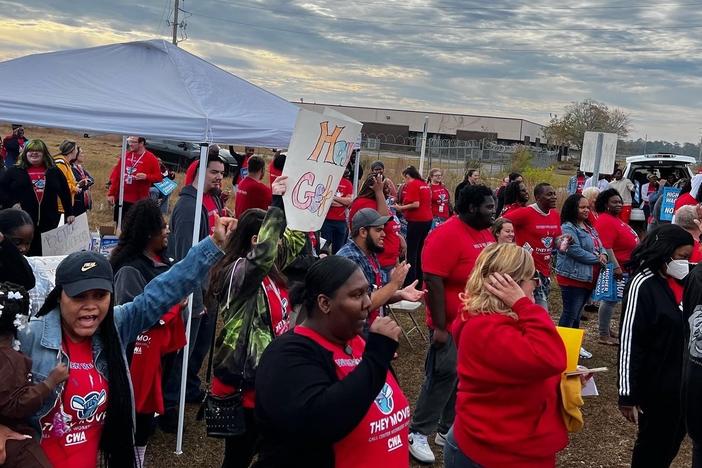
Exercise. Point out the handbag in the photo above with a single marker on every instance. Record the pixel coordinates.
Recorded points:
(224, 416)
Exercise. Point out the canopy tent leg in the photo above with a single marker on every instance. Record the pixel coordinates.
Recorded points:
(123, 164)
(202, 169)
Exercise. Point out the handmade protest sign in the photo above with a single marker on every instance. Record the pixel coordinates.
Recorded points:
(319, 150)
(67, 239)
(670, 195)
(44, 269)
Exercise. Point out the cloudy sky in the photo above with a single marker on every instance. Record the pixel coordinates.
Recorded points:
(515, 58)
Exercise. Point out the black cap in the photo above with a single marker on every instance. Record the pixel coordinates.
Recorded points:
(83, 271)
(367, 217)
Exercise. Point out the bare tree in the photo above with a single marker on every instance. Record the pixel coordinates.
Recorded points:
(586, 116)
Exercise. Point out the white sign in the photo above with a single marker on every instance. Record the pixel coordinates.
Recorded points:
(67, 239)
(589, 152)
(44, 269)
(319, 150)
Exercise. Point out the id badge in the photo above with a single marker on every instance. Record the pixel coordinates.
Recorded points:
(128, 179)
(441, 208)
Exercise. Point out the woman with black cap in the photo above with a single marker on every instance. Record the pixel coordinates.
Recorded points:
(652, 345)
(91, 417)
(324, 396)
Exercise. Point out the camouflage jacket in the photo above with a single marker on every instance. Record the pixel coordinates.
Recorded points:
(244, 308)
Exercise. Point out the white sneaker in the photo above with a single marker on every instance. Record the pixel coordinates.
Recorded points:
(419, 448)
(440, 439)
(585, 354)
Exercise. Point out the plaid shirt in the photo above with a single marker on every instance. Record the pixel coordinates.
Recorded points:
(354, 253)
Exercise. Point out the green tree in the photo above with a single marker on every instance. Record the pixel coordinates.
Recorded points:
(586, 116)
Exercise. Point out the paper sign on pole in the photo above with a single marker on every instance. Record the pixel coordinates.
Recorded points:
(319, 150)
(670, 196)
(68, 238)
(44, 269)
(588, 155)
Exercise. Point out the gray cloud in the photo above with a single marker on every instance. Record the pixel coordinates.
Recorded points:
(517, 59)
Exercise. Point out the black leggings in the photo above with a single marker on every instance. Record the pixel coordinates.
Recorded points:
(240, 450)
(416, 233)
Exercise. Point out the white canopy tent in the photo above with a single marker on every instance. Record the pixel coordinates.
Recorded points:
(148, 88)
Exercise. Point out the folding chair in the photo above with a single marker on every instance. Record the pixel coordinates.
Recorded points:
(408, 307)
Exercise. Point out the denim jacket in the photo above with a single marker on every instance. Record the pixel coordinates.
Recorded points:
(41, 339)
(577, 262)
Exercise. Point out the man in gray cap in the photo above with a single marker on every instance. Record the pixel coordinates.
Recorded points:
(367, 238)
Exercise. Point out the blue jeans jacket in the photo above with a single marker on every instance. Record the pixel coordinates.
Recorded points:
(41, 339)
(577, 262)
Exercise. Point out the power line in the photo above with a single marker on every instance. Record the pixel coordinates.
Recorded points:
(460, 47)
(482, 28)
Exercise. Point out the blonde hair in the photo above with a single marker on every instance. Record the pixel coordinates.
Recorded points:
(591, 193)
(508, 259)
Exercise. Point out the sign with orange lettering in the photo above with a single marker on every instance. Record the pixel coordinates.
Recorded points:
(319, 150)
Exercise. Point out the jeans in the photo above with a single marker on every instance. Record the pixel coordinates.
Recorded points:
(453, 457)
(605, 316)
(336, 233)
(436, 405)
(416, 234)
(574, 299)
(541, 293)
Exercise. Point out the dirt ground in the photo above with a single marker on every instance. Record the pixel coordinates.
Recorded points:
(606, 440)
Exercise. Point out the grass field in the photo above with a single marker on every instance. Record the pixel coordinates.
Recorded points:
(606, 440)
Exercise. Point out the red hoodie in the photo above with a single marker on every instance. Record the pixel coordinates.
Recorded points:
(508, 405)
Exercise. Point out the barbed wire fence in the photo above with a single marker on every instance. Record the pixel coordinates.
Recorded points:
(452, 157)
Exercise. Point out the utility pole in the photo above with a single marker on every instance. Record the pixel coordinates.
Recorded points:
(175, 23)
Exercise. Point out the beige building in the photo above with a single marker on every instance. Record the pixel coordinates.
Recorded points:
(407, 124)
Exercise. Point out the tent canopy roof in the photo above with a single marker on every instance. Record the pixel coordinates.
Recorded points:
(149, 88)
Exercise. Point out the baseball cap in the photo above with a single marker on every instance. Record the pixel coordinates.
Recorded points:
(367, 217)
(83, 271)
(66, 147)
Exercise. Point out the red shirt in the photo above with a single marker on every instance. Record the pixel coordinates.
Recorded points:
(135, 190)
(168, 336)
(391, 251)
(580, 184)
(345, 189)
(440, 199)
(418, 191)
(211, 209)
(615, 234)
(273, 173)
(71, 431)
(455, 263)
(251, 193)
(696, 256)
(380, 439)
(508, 408)
(538, 232)
(511, 207)
(37, 174)
(684, 200)
(279, 308)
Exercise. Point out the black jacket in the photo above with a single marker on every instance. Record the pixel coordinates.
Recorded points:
(181, 237)
(16, 187)
(302, 408)
(692, 372)
(652, 343)
(14, 267)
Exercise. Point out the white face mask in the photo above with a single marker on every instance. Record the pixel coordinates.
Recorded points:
(678, 269)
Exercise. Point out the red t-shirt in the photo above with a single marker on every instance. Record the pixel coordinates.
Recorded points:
(615, 234)
(684, 200)
(381, 437)
(251, 193)
(440, 199)
(345, 189)
(511, 207)
(37, 174)
(273, 173)
(696, 256)
(71, 431)
(580, 184)
(135, 190)
(279, 308)
(538, 232)
(508, 405)
(211, 209)
(450, 252)
(167, 336)
(418, 191)
(391, 251)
